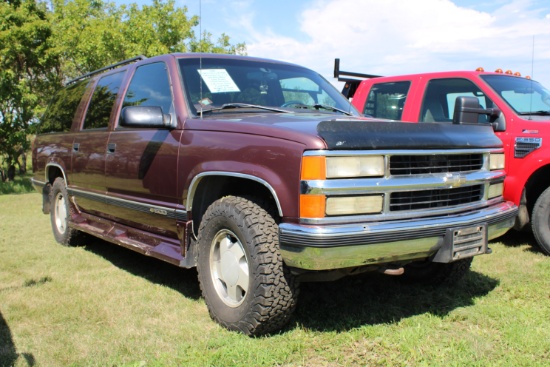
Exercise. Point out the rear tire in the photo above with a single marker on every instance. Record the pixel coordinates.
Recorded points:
(437, 273)
(61, 211)
(243, 279)
(541, 221)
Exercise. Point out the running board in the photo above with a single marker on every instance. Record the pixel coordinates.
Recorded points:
(160, 247)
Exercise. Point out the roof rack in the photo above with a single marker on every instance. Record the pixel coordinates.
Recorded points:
(110, 67)
(351, 83)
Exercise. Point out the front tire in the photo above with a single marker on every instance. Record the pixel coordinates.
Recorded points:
(541, 221)
(60, 213)
(243, 279)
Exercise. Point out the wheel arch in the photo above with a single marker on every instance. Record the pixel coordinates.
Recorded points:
(535, 185)
(208, 187)
(53, 171)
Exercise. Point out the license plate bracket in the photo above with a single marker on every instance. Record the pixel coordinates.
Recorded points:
(463, 242)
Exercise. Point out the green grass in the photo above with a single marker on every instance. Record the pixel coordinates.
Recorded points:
(102, 305)
(20, 185)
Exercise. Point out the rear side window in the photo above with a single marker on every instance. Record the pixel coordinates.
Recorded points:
(103, 99)
(387, 100)
(60, 113)
(150, 86)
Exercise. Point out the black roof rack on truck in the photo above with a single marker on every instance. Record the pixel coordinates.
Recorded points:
(351, 83)
(116, 65)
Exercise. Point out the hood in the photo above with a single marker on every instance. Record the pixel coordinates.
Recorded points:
(349, 135)
(328, 131)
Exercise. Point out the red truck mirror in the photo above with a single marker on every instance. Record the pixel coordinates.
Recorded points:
(467, 111)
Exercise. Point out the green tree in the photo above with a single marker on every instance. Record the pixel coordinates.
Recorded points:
(44, 43)
(26, 71)
(89, 34)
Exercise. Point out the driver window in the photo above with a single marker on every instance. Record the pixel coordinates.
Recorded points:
(440, 98)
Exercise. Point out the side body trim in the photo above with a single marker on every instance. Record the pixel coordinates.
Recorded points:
(180, 215)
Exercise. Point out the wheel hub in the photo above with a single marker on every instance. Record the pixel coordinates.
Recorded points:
(229, 268)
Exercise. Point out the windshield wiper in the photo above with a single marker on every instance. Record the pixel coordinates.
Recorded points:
(536, 113)
(331, 108)
(227, 106)
(319, 106)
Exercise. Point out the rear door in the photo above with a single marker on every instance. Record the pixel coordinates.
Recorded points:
(89, 148)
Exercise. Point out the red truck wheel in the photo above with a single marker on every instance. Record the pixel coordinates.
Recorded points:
(241, 273)
(541, 221)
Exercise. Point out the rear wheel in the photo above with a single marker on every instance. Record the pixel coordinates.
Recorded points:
(242, 276)
(60, 212)
(437, 273)
(541, 221)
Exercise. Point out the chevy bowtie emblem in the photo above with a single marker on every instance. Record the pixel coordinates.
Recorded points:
(454, 180)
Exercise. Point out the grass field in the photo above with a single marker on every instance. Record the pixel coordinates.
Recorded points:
(102, 305)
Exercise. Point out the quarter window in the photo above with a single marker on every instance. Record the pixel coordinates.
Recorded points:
(60, 113)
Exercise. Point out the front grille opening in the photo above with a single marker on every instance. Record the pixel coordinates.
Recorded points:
(441, 198)
(426, 164)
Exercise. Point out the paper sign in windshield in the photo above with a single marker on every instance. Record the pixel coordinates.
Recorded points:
(218, 80)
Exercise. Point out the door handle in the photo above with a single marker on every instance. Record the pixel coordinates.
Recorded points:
(76, 147)
(111, 147)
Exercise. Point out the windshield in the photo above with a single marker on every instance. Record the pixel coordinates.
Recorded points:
(525, 96)
(222, 85)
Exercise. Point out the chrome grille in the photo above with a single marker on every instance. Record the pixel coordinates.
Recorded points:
(426, 164)
(427, 199)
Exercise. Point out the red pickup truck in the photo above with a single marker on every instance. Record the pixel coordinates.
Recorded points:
(262, 175)
(517, 107)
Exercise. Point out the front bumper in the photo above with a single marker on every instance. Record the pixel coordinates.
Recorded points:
(343, 246)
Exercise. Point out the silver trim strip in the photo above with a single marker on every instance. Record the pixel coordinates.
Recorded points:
(196, 180)
(336, 153)
(131, 204)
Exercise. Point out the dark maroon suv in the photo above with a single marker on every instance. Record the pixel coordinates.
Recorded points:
(262, 175)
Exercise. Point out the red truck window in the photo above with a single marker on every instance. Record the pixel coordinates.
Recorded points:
(386, 100)
(440, 97)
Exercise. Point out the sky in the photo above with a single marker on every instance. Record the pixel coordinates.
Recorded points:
(386, 37)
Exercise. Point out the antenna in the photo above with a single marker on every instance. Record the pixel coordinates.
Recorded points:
(200, 55)
(532, 77)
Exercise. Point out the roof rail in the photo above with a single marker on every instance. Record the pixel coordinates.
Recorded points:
(351, 83)
(113, 66)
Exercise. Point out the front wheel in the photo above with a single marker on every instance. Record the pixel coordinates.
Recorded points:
(437, 273)
(60, 212)
(241, 273)
(541, 221)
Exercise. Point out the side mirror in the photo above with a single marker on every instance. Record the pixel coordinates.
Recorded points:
(467, 111)
(145, 116)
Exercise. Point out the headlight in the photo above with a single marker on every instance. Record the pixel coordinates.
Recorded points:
(495, 190)
(353, 205)
(348, 167)
(496, 161)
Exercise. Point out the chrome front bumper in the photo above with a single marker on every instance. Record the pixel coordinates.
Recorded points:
(318, 247)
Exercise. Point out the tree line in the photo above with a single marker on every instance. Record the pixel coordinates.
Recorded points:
(43, 44)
